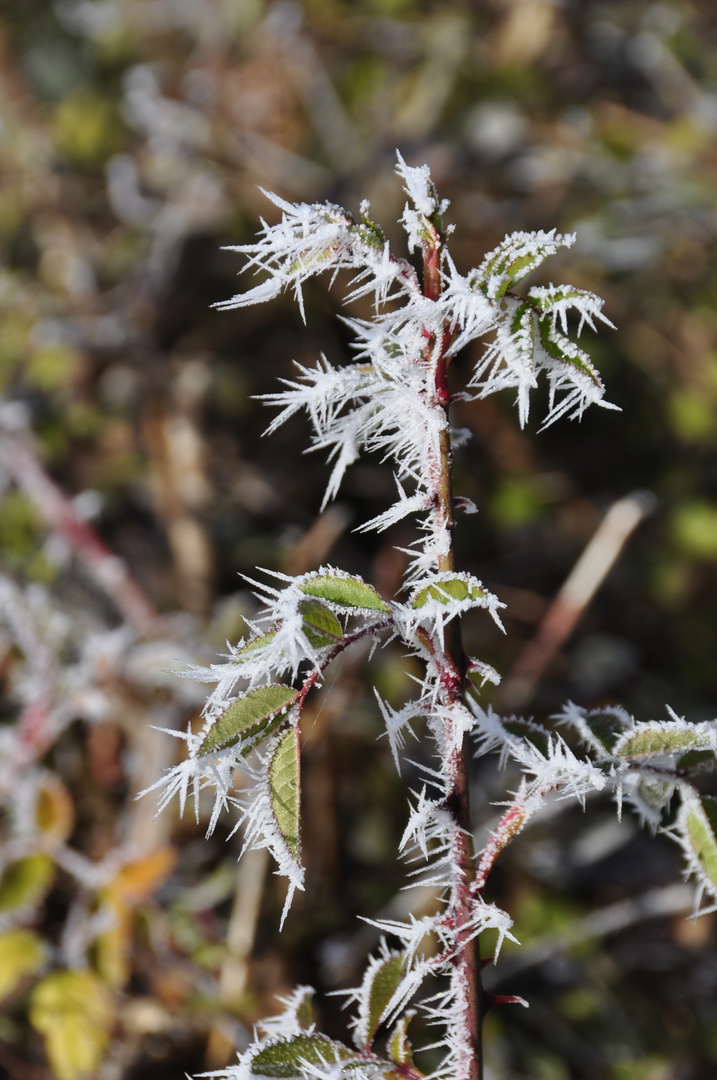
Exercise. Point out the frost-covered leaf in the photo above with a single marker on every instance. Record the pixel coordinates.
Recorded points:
(286, 1057)
(480, 673)
(530, 731)
(668, 737)
(605, 727)
(305, 1009)
(72, 1010)
(24, 883)
(697, 761)
(296, 1017)
(398, 1047)
(442, 596)
(345, 591)
(600, 728)
(561, 348)
(696, 831)
(516, 257)
(448, 589)
(247, 717)
(383, 977)
(22, 953)
(558, 300)
(320, 625)
(654, 793)
(284, 790)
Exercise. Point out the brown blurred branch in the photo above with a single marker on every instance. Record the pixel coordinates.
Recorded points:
(582, 583)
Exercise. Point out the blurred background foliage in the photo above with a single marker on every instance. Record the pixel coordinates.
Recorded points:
(133, 137)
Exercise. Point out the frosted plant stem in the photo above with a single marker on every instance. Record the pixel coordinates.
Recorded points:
(467, 951)
(395, 400)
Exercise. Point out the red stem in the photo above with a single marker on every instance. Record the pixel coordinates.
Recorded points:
(467, 954)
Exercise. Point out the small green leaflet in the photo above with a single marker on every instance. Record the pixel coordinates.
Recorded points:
(248, 716)
(320, 625)
(386, 979)
(655, 793)
(305, 1009)
(522, 330)
(699, 821)
(398, 1047)
(285, 1058)
(345, 592)
(445, 591)
(697, 760)
(566, 351)
(284, 795)
(514, 258)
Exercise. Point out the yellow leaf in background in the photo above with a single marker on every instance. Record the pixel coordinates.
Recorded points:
(134, 883)
(53, 367)
(111, 955)
(73, 1012)
(111, 950)
(21, 953)
(25, 881)
(87, 128)
(54, 809)
(138, 880)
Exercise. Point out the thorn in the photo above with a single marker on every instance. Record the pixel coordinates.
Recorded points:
(486, 961)
(491, 1000)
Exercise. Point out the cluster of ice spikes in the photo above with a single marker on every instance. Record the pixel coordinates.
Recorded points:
(395, 399)
(386, 401)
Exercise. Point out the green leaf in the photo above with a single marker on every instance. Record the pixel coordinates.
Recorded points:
(700, 824)
(320, 625)
(248, 717)
(514, 258)
(25, 881)
(305, 1009)
(286, 1057)
(345, 592)
(709, 806)
(605, 727)
(73, 1012)
(654, 792)
(398, 1047)
(284, 787)
(566, 351)
(480, 673)
(385, 980)
(662, 739)
(697, 760)
(22, 953)
(445, 591)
